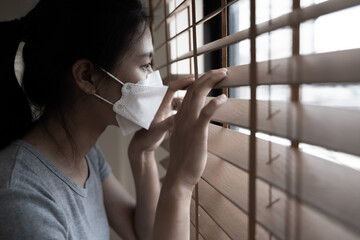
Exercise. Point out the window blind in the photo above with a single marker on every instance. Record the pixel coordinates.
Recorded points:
(254, 187)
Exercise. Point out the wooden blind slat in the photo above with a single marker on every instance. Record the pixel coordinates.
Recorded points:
(225, 178)
(289, 19)
(327, 186)
(231, 219)
(193, 233)
(159, 25)
(206, 18)
(158, 4)
(294, 220)
(292, 171)
(216, 12)
(289, 219)
(315, 181)
(224, 213)
(183, 5)
(234, 111)
(192, 211)
(208, 228)
(180, 33)
(332, 67)
(229, 145)
(313, 198)
(156, 48)
(304, 14)
(334, 128)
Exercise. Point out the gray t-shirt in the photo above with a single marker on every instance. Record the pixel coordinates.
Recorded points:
(38, 201)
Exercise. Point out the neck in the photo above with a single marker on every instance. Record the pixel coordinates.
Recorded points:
(67, 149)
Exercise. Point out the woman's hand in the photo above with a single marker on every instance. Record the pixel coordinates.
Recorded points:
(188, 153)
(188, 144)
(149, 140)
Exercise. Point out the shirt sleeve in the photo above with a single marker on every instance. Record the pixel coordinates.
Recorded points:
(27, 215)
(104, 168)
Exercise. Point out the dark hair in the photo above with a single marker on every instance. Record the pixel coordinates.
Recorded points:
(57, 33)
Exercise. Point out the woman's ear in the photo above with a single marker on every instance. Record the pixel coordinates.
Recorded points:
(83, 72)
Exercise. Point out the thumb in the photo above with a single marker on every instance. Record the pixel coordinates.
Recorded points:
(165, 125)
(208, 111)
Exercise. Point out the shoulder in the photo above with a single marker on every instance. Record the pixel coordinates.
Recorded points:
(13, 158)
(27, 207)
(97, 159)
(28, 214)
(96, 153)
(22, 167)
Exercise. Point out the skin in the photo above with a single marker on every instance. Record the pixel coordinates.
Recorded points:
(155, 214)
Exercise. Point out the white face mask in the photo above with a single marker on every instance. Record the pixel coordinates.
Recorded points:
(139, 103)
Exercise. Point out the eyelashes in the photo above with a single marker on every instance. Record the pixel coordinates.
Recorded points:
(148, 66)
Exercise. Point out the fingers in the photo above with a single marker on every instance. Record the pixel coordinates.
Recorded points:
(177, 85)
(180, 84)
(173, 87)
(164, 126)
(195, 97)
(208, 111)
(206, 82)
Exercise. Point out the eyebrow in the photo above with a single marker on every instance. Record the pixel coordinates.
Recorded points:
(147, 54)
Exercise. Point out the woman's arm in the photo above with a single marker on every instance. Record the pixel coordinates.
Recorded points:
(129, 218)
(135, 219)
(188, 149)
(147, 187)
(120, 208)
(188, 155)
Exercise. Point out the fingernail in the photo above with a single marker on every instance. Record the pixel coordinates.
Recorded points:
(222, 98)
(223, 72)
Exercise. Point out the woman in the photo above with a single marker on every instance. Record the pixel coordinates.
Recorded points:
(87, 66)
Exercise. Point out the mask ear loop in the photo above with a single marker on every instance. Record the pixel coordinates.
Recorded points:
(112, 76)
(107, 101)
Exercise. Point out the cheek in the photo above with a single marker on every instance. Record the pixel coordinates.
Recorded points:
(115, 93)
(137, 76)
(111, 91)
(132, 73)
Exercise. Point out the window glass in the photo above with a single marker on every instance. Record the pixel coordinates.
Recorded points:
(269, 9)
(333, 156)
(239, 16)
(274, 45)
(306, 3)
(331, 95)
(331, 32)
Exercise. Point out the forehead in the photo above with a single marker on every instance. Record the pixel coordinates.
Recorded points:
(142, 48)
(144, 44)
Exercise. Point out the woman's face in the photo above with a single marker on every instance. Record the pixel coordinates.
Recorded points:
(137, 63)
(133, 67)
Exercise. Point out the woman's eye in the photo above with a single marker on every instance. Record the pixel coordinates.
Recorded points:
(147, 67)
